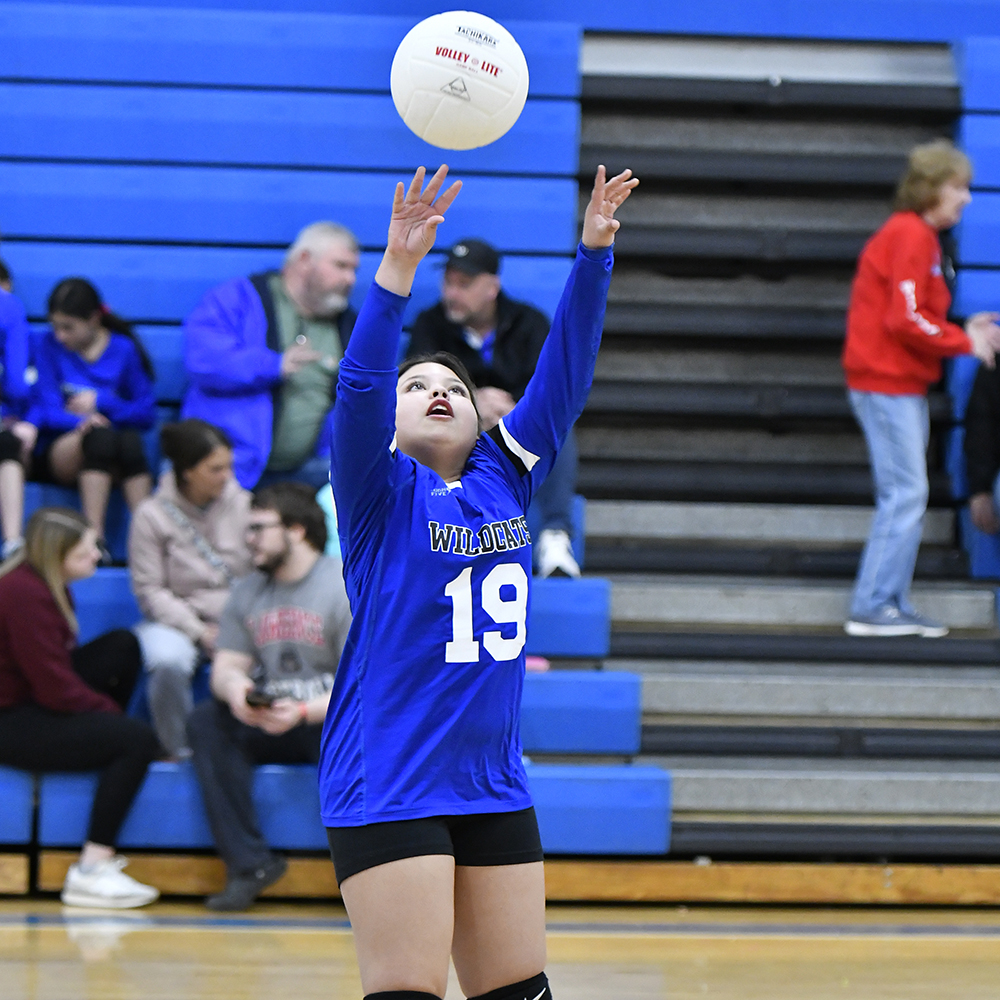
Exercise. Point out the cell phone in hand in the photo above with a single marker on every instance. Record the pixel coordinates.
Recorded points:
(256, 698)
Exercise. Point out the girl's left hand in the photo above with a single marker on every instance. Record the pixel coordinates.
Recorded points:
(599, 222)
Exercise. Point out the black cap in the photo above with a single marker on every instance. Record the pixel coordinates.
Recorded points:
(473, 257)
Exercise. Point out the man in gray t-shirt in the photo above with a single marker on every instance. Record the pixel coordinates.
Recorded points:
(280, 639)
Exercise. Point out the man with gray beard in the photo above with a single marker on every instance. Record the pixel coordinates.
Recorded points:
(262, 352)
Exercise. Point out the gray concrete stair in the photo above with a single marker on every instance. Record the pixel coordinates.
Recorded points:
(662, 602)
(774, 524)
(812, 789)
(732, 691)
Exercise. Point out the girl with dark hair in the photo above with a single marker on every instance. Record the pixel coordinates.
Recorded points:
(93, 398)
(422, 784)
(187, 543)
(62, 705)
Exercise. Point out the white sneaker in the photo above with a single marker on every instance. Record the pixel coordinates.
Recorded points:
(106, 885)
(555, 554)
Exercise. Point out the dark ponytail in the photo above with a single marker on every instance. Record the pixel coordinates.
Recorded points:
(78, 298)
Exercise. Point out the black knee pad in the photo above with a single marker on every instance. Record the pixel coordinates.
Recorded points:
(100, 449)
(402, 995)
(10, 447)
(131, 454)
(535, 988)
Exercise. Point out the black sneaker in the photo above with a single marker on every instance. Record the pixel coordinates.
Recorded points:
(242, 890)
(106, 558)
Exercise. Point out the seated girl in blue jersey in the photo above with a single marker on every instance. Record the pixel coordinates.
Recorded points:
(423, 788)
(93, 398)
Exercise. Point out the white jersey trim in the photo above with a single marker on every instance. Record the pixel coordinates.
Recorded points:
(909, 290)
(518, 449)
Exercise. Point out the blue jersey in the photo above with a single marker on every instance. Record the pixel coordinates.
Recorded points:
(425, 712)
(125, 393)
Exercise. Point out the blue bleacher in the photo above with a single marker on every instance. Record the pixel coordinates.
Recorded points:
(17, 793)
(211, 138)
(576, 711)
(601, 809)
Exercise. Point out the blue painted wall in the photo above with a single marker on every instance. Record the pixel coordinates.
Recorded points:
(889, 20)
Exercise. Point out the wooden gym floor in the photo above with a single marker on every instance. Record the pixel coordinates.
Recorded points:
(178, 951)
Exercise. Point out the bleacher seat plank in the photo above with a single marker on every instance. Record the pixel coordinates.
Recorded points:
(263, 207)
(17, 796)
(243, 48)
(979, 136)
(577, 711)
(569, 617)
(978, 290)
(767, 882)
(978, 61)
(14, 874)
(979, 233)
(601, 809)
(150, 284)
(260, 128)
(199, 874)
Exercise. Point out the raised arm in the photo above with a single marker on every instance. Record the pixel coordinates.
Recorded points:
(364, 417)
(558, 390)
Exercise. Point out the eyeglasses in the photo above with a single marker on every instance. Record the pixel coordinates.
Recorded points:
(257, 529)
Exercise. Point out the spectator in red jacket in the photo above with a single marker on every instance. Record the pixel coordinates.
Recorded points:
(897, 334)
(61, 705)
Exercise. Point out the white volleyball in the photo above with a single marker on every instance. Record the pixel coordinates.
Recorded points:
(459, 80)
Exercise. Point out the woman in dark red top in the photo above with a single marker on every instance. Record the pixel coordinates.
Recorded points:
(897, 334)
(61, 705)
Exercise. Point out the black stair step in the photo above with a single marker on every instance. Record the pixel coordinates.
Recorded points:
(740, 243)
(736, 841)
(822, 648)
(744, 165)
(656, 319)
(643, 556)
(606, 479)
(772, 93)
(714, 399)
(821, 741)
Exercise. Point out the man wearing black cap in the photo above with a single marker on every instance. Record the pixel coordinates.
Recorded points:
(498, 339)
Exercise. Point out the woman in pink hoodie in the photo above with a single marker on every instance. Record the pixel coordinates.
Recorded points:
(186, 545)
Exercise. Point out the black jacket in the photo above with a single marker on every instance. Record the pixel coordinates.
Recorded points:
(982, 431)
(521, 331)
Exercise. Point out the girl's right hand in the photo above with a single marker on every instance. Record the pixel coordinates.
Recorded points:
(413, 228)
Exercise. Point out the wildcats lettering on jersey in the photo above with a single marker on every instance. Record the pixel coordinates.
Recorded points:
(498, 536)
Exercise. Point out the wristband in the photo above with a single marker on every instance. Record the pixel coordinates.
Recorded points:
(303, 712)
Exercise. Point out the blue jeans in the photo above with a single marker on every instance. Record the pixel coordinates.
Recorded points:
(553, 502)
(896, 429)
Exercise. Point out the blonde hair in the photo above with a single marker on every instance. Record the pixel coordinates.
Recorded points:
(930, 166)
(50, 534)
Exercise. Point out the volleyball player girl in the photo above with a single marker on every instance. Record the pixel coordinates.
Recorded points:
(423, 789)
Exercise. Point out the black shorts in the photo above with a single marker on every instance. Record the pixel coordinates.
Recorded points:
(479, 840)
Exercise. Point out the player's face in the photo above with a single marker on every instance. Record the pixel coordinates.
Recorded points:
(434, 410)
(73, 333)
(469, 300)
(267, 540)
(329, 275)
